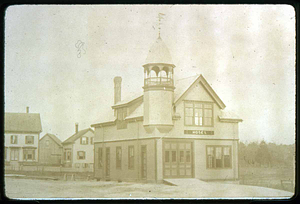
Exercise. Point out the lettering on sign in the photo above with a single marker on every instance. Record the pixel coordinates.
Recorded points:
(198, 132)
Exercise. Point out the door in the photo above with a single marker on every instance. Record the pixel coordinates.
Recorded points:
(144, 161)
(107, 160)
(177, 159)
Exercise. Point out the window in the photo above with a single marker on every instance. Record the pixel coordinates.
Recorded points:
(80, 155)
(29, 154)
(29, 140)
(131, 157)
(5, 154)
(121, 115)
(92, 140)
(84, 140)
(100, 158)
(198, 113)
(14, 154)
(167, 156)
(67, 155)
(14, 139)
(218, 157)
(118, 157)
(47, 143)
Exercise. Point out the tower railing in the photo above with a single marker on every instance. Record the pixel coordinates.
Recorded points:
(159, 81)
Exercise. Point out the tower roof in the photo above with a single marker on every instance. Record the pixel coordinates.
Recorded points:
(159, 53)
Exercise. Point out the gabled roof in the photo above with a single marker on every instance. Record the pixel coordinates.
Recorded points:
(22, 122)
(77, 135)
(183, 86)
(187, 85)
(54, 138)
(128, 100)
(229, 116)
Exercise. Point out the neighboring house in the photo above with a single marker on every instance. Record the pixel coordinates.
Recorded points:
(78, 150)
(173, 130)
(22, 132)
(50, 150)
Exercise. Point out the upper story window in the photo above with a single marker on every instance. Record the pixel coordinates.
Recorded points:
(92, 140)
(84, 140)
(80, 155)
(14, 139)
(121, 115)
(198, 113)
(29, 140)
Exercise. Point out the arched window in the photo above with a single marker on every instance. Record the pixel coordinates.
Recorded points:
(156, 70)
(163, 73)
(152, 74)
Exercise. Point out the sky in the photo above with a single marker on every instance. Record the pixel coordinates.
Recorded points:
(245, 52)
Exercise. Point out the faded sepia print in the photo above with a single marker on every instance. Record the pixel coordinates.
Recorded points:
(140, 101)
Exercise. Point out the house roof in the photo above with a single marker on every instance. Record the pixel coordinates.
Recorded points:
(22, 122)
(183, 86)
(77, 135)
(229, 116)
(159, 53)
(53, 137)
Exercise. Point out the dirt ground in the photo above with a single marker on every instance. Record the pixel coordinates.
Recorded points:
(28, 188)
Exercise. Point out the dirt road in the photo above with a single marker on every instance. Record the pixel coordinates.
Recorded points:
(28, 188)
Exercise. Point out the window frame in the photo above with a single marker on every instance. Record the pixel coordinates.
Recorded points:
(118, 157)
(16, 140)
(121, 115)
(131, 157)
(16, 156)
(26, 153)
(86, 140)
(214, 165)
(78, 156)
(27, 137)
(100, 157)
(203, 103)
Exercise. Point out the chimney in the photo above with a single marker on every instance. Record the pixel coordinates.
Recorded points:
(27, 109)
(117, 94)
(76, 127)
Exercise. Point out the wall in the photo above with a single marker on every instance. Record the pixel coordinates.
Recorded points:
(124, 173)
(88, 149)
(21, 143)
(51, 154)
(201, 172)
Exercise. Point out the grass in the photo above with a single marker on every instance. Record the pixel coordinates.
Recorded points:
(268, 177)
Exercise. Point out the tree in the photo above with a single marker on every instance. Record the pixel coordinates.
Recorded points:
(263, 156)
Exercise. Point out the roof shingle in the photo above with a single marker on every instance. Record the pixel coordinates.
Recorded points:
(22, 122)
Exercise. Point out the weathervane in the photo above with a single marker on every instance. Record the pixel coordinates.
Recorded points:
(160, 16)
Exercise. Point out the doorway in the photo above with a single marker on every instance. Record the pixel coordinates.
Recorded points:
(177, 159)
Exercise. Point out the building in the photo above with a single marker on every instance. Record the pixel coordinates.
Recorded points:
(173, 130)
(50, 150)
(78, 150)
(22, 132)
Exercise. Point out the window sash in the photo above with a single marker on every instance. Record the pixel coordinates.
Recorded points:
(80, 155)
(14, 139)
(29, 155)
(100, 159)
(218, 157)
(29, 140)
(198, 113)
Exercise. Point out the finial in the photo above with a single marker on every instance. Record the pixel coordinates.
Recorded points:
(160, 16)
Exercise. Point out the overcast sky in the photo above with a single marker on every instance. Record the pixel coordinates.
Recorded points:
(246, 53)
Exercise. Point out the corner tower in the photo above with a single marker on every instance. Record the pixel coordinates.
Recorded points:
(158, 88)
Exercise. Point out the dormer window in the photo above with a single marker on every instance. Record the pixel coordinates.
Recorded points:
(121, 115)
(198, 113)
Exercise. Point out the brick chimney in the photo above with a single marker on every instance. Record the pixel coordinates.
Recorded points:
(117, 93)
(76, 127)
(27, 109)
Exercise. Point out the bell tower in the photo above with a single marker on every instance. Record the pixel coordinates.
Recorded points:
(158, 88)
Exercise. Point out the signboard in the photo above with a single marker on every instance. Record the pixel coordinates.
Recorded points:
(198, 132)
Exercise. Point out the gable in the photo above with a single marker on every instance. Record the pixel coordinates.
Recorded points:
(208, 89)
(198, 93)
